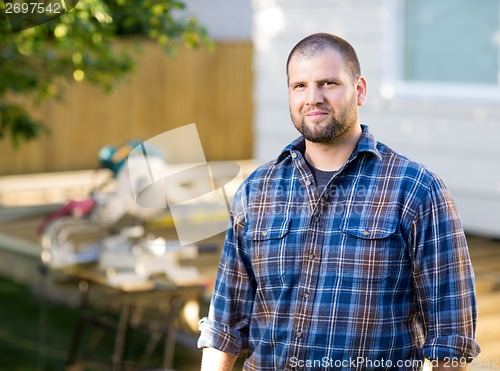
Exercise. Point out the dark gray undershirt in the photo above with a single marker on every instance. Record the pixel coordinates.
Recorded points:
(320, 176)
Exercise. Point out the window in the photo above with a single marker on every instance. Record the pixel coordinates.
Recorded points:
(451, 41)
(444, 45)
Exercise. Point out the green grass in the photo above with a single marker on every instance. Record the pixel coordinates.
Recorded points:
(21, 343)
(35, 334)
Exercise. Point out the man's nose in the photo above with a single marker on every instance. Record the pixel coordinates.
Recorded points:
(315, 96)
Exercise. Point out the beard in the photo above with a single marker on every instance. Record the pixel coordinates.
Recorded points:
(328, 129)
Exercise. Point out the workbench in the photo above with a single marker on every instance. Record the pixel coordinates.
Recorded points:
(151, 306)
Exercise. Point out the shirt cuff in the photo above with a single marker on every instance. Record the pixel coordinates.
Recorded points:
(455, 346)
(221, 337)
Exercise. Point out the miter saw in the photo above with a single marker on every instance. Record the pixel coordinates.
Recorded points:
(65, 233)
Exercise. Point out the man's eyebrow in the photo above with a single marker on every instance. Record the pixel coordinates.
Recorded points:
(293, 83)
(326, 79)
(331, 78)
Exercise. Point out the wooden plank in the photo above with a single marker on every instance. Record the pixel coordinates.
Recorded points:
(487, 329)
(488, 304)
(19, 246)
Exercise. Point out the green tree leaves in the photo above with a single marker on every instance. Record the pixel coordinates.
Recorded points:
(82, 45)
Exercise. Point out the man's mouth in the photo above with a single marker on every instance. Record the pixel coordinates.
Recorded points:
(316, 114)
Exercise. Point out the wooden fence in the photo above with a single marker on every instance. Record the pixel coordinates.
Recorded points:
(212, 89)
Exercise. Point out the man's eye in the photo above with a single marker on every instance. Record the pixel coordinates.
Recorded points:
(329, 83)
(299, 86)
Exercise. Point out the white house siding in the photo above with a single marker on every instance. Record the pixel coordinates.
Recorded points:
(224, 19)
(455, 137)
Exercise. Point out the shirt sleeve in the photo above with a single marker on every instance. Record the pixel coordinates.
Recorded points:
(227, 326)
(443, 278)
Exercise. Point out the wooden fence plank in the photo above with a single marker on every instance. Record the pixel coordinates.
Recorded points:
(212, 89)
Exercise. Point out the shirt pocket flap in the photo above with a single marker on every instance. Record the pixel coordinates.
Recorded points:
(370, 229)
(267, 231)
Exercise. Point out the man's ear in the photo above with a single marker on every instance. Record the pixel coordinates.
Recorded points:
(361, 90)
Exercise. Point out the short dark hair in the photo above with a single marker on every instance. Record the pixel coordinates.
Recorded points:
(319, 42)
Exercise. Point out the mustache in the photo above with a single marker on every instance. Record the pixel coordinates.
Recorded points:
(318, 109)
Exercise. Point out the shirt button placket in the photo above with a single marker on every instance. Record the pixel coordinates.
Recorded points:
(317, 217)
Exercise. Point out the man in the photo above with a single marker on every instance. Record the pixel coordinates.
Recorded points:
(341, 254)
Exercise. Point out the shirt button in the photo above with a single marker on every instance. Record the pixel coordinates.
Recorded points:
(299, 334)
(311, 256)
(306, 295)
(366, 233)
(264, 233)
(294, 155)
(308, 182)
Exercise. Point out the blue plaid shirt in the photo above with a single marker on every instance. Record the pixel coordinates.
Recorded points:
(372, 272)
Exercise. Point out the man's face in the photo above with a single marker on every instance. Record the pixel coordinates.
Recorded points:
(322, 95)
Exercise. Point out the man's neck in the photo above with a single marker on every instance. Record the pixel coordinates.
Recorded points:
(332, 156)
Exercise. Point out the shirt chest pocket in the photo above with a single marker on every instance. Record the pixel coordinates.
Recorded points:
(373, 249)
(270, 246)
(370, 228)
